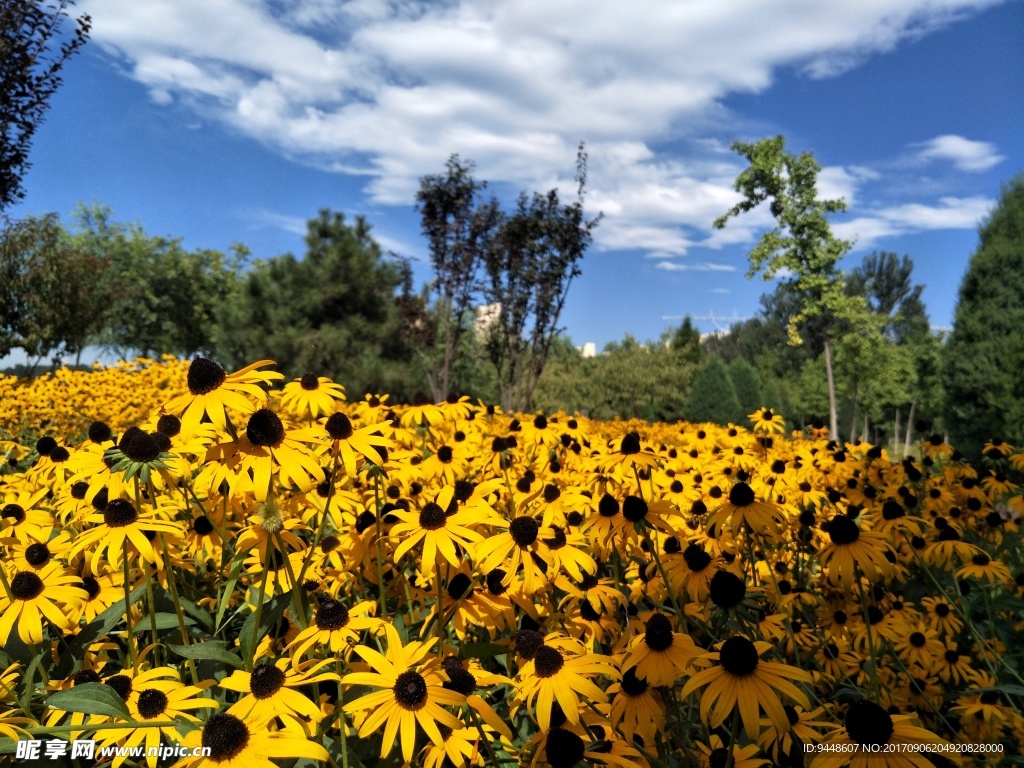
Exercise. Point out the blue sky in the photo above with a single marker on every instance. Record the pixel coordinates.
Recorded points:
(236, 120)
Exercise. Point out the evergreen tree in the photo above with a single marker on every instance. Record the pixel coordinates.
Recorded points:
(984, 358)
(712, 396)
(747, 385)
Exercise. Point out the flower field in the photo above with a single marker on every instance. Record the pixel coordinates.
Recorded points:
(315, 577)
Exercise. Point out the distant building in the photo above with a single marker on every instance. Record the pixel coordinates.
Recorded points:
(589, 349)
(486, 316)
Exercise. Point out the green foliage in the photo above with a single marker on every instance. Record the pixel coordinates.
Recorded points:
(686, 341)
(984, 358)
(332, 312)
(49, 302)
(160, 298)
(29, 76)
(518, 265)
(747, 385)
(712, 396)
(884, 279)
(802, 242)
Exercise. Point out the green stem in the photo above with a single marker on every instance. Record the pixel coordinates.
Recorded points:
(128, 602)
(440, 612)
(380, 548)
(173, 589)
(259, 609)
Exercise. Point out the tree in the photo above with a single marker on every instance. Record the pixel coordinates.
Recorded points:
(52, 302)
(802, 243)
(884, 279)
(459, 231)
(712, 396)
(529, 269)
(334, 312)
(29, 76)
(746, 384)
(686, 340)
(985, 353)
(159, 297)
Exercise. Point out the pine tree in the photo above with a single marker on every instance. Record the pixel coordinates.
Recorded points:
(747, 385)
(712, 396)
(984, 358)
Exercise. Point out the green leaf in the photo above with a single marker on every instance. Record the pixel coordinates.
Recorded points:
(92, 699)
(93, 631)
(215, 651)
(483, 650)
(199, 614)
(229, 588)
(269, 616)
(163, 621)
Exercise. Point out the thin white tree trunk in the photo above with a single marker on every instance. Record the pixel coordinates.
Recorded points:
(896, 434)
(910, 422)
(833, 423)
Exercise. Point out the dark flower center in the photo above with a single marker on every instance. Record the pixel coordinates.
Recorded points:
(432, 517)
(329, 544)
(942, 610)
(630, 443)
(122, 685)
(204, 376)
(842, 530)
(528, 642)
(26, 586)
(494, 579)
(86, 676)
(547, 661)
(266, 680)
(37, 554)
(225, 736)
(78, 490)
(339, 426)
(331, 616)
(119, 512)
(633, 685)
(202, 526)
(460, 586)
(981, 559)
(152, 703)
(99, 432)
(310, 382)
(459, 680)
(867, 723)
(540, 422)
(696, 558)
(917, 639)
(634, 509)
(265, 429)
(524, 531)
(738, 656)
(59, 454)
(410, 690)
(658, 634)
(169, 425)
(607, 506)
(741, 495)
(892, 510)
(727, 589)
(45, 445)
(13, 512)
(90, 585)
(564, 748)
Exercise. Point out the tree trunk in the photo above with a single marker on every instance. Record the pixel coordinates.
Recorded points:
(910, 421)
(896, 434)
(853, 426)
(833, 424)
(864, 434)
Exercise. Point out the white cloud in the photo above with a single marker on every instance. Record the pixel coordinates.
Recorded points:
(704, 266)
(389, 89)
(965, 154)
(950, 213)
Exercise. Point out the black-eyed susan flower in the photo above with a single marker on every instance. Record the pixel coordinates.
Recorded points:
(659, 654)
(741, 680)
(852, 549)
(412, 692)
(270, 690)
(237, 743)
(118, 526)
(311, 396)
(743, 511)
(562, 674)
(440, 526)
(33, 595)
(335, 626)
(211, 390)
